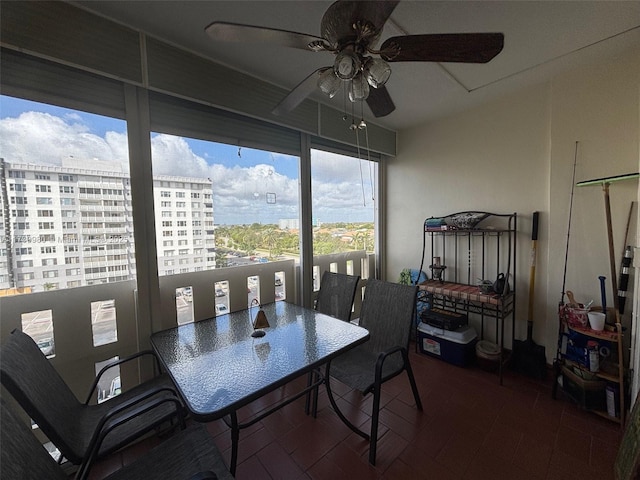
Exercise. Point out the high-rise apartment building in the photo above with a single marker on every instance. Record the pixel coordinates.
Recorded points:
(184, 224)
(72, 225)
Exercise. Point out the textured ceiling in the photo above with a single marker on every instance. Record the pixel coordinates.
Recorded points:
(542, 39)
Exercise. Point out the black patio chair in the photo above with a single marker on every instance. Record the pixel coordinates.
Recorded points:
(336, 294)
(387, 312)
(83, 432)
(188, 455)
(335, 298)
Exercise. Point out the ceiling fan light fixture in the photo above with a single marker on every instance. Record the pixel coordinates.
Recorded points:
(376, 71)
(347, 65)
(329, 83)
(359, 88)
(350, 29)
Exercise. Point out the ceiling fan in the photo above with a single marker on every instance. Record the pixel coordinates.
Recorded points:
(350, 29)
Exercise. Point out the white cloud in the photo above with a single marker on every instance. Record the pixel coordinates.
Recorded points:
(239, 191)
(73, 117)
(118, 144)
(35, 137)
(173, 156)
(334, 168)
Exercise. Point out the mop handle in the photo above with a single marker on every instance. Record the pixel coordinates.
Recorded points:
(603, 293)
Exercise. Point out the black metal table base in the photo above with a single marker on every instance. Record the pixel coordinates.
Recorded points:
(312, 387)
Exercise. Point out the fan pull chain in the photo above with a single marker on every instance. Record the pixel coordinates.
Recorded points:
(372, 175)
(362, 123)
(357, 142)
(364, 198)
(363, 126)
(366, 136)
(353, 125)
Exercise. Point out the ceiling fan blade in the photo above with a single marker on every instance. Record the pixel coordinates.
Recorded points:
(235, 32)
(337, 22)
(445, 47)
(380, 102)
(301, 91)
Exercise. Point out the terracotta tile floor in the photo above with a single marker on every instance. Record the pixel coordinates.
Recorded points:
(471, 428)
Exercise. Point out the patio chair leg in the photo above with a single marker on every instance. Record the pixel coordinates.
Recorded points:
(327, 380)
(235, 438)
(307, 400)
(412, 381)
(375, 414)
(316, 375)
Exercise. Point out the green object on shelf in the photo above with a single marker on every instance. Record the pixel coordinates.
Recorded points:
(405, 277)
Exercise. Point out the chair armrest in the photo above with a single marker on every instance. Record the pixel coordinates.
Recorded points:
(382, 356)
(123, 413)
(120, 361)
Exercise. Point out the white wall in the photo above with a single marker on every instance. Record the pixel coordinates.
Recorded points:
(516, 154)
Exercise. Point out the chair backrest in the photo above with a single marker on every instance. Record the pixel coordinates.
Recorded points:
(387, 312)
(22, 456)
(336, 294)
(31, 379)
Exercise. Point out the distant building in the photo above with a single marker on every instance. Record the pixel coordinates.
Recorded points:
(289, 224)
(184, 224)
(72, 225)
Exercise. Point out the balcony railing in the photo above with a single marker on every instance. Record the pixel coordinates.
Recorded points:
(70, 309)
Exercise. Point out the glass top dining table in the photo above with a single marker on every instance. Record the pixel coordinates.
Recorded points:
(219, 367)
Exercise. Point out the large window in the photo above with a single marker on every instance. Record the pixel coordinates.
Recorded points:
(344, 206)
(72, 168)
(219, 205)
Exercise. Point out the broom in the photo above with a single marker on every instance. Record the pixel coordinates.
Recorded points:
(528, 357)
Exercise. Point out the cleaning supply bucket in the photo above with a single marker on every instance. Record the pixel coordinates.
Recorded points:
(596, 320)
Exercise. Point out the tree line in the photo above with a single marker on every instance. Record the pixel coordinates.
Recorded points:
(273, 242)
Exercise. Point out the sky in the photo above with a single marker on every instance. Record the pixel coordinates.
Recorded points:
(36, 133)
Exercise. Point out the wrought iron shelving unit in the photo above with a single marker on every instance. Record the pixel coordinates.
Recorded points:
(461, 255)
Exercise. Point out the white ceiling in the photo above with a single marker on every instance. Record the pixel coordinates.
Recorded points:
(542, 39)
